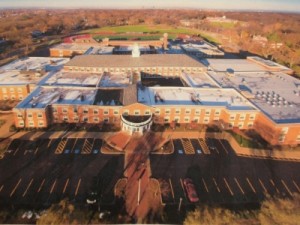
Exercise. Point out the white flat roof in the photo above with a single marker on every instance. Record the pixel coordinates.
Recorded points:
(36, 64)
(237, 65)
(72, 46)
(42, 96)
(61, 78)
(276, 94)
(17, 78)
(116, 79)
(199, 80)
(228, 98)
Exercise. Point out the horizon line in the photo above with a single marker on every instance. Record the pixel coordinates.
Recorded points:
(151, 8)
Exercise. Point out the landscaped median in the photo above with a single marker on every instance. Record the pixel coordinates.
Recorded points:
(289, 155)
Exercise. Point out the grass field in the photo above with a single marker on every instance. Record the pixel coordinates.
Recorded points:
(223, 25)
(147, 32)
(155, 29)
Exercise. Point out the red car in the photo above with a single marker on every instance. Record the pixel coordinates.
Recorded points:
(191, 190)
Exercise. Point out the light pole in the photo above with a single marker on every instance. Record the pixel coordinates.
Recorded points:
(179, 206)
(139, 192)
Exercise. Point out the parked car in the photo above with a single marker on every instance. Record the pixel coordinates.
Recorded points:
(190, 190)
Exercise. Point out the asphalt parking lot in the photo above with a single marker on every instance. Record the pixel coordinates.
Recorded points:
(222, 177)
(39, 173)
(33, 173)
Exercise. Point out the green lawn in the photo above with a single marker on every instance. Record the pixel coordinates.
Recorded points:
(154, 29)
(223, 25)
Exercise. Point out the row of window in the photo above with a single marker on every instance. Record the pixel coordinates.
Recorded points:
(84, 119)
(5, 97)
(31, 123)
(30, 115)
(12, 90)
(186, 111)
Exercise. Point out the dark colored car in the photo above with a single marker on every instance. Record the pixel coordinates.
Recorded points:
(191, 190)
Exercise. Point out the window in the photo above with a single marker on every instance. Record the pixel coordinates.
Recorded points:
(230, 125)
(232, 116)
(29, 115)
(4, 90)
(13, 97)
(105, 112)
(167, 111)
(66, 119)
(241, 125)
(85, 119)
(11, 90)
(207, 112)
(19, 90)
(96, 112)
(126, 112)
(106, 120)
(217, 112)
(41, 123)
(20, 97)
(250, 125)
(176, 119)
(157, 111)
(252, 117)
(116, 112)
(187, 111)
(298, 138)
(147, 112)
(40, 115)
(20, 115)
(31, 124)
(196, 119)
(197, 111)
(167, 119)
(206, 120)
(85, 111)
(21, 123)
(186, 119)
(96, 119)
(75, 118)
(242, 117)
(136, 112)
(284, 130)
(54, 110)
(65, 110)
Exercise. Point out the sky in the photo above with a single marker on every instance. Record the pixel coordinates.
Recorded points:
(256, 5)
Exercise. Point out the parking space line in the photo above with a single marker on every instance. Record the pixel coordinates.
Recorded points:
(250, 184)
(272, 182)
(15, 188)
(183, 188)
(239, 186)
(286, 187)
(228, 186)
(16, 151)
(1, 187)
(66, 185)
(296, 185)
(78, 185)
(41, 186)
(205, 185)
(223, 146)
(53, 185)
(28, 186)
(172, 189)
(263, 186)
(216, 185)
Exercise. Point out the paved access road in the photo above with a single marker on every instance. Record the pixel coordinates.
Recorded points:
(32, 174)
(222, 177)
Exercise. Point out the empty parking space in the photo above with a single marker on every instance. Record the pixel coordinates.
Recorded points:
(68, 148)
(196, 145)
(204, 146)
(97, 144)
(88, 146)
(178, 147)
